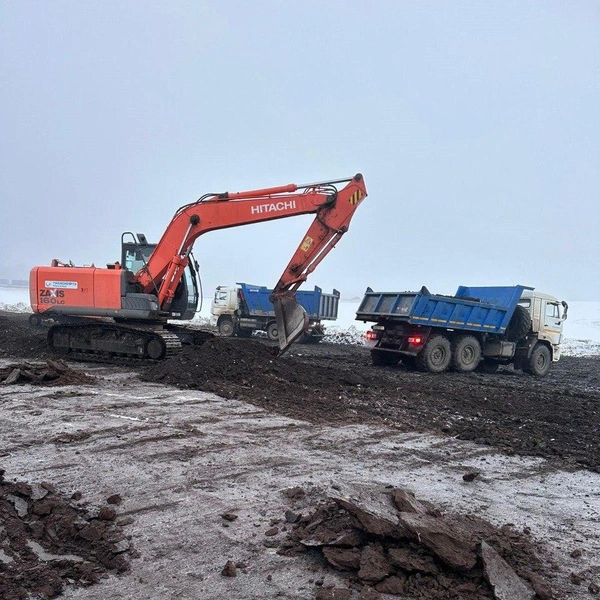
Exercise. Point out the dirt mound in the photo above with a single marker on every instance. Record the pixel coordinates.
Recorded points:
(54, 372)
(390, 542)
(19, 339)
(250, 370)
(47, 541)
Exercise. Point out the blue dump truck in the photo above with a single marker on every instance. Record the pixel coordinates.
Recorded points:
(245, 308)
(477, 328)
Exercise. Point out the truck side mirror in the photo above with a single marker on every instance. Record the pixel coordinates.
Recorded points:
(565, 310)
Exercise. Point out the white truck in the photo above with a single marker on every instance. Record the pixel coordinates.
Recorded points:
(244, 308)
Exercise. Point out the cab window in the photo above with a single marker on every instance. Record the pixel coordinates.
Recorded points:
(552, 310)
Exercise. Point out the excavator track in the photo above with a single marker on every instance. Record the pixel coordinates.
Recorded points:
(112, 340)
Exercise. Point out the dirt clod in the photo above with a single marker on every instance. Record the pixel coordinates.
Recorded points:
(229, 570)
(50, 542)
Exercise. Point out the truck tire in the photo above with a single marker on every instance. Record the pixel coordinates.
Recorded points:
(272, 331)
(383, 358)
(226, 327)
(466, 354)
(435, 356)
(538, 363)
(519, 324)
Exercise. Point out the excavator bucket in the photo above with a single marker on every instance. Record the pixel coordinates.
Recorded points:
(292, 320)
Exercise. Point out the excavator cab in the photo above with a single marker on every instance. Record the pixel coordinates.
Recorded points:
(135, 255)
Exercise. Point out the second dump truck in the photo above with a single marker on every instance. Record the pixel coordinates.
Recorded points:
(244, 308)
(477, 328)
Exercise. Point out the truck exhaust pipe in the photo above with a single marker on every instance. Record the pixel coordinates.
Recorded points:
(291, 318)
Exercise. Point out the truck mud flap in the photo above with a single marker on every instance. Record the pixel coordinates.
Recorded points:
(292, 320)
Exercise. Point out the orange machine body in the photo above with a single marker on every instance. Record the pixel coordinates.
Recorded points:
(76, 288)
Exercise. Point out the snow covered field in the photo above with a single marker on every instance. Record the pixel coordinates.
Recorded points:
(582, 328)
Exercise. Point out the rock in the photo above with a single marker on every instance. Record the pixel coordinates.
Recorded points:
(373, 508)
(576, 553)
(229, 570)
(443, 539)
(576, 579)
(408, 560)
(122, 546)
(405, 501)
(292, 517)
(229, 516)
(593, 589)
(294, 493)
(345, 559)
(38, 491)
(20, 504)
(271, 532)
(505, 583)
(392, 585)
(374, 566)
(471, 475)
(107, 513)
(114, 499)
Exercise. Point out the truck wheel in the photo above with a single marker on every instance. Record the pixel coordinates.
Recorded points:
(435, 356)
(272, 331)
(466, 354)
(226, 327)
(383, 358)
(539, 362)
(519, 324)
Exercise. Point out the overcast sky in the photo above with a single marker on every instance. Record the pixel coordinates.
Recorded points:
(476, 126)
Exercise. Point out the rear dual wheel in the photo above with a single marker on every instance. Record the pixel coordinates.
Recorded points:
(466, 354)
(436, 355)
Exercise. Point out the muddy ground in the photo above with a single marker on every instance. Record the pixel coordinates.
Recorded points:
(181, 457)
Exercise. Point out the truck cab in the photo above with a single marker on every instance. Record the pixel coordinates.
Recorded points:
(547, 317)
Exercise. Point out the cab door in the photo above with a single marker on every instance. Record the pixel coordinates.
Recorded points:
(553, 322)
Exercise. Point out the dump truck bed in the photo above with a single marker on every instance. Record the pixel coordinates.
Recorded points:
(487, 309)
(318, 305)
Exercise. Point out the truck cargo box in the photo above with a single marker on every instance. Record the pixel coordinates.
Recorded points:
(318, 305)
(485, 309)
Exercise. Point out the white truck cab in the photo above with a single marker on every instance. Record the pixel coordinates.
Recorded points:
(547, 317)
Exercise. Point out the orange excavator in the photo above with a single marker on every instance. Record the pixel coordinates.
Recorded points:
(128, 308)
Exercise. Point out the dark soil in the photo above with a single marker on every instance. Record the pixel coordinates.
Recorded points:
(48, 540)
(557, 417)
(411, 564)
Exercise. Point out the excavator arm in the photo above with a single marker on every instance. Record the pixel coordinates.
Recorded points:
(333, 211)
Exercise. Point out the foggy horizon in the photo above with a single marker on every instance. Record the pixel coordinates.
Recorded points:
(476, 127)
